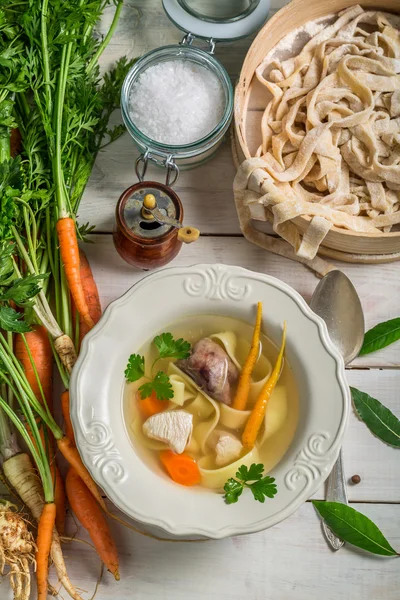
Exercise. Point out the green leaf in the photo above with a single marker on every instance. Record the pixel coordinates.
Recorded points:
(135, 368)
(161, 385)
(379, 419)
(381, 335)
(10, 174)
(233, 489)
(354, 527)
(264, 487)
(11, 320)
(6, 263)
(23, 290)
(254, 473)
(261, 487)
(170, 348)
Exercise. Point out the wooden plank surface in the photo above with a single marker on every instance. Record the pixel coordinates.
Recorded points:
(291, 560)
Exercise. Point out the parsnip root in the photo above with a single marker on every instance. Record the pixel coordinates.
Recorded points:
(66, 351)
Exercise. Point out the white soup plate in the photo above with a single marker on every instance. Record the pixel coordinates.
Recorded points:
(97, 386)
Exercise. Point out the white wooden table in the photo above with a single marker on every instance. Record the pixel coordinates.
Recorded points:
(291, 560)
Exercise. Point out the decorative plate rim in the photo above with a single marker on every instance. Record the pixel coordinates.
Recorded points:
(330, 455)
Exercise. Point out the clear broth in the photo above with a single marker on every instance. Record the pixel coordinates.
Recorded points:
(192, 329)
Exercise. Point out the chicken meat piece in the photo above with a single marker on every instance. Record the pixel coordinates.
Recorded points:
(211, 369)
(227, 449)
(173, 427)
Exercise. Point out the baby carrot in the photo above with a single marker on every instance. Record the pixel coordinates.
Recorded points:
(182, 468)
(69, 250)
(44, 540)
(256, 417)
(242, 392)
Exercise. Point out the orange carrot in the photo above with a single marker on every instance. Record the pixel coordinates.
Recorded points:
(69, 250)
(42, 356)
(91, 294)
(92, 518)
(151, 405)
(40, 348)
(182, 468)
(85, 506)
(72, 455)
(69, 432)
(243, 388)
(44, 540)
(59, 498)
(257, 415)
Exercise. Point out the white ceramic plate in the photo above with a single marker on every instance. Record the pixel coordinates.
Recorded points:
(97, 399)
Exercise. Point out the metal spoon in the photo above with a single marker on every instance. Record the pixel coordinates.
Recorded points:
(336, 301)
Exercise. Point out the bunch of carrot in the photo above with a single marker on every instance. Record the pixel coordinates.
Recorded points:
(62, 111)
(34, 353)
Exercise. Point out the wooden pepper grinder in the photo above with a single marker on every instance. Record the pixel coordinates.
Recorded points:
(149, 230)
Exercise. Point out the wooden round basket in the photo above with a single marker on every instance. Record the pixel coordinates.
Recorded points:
(250, 101)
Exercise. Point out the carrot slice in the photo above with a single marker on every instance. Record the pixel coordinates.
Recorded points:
(256, 417)
(243, 388)
(151, 405)
(182, 468)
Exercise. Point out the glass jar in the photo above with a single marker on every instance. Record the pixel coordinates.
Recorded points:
(232, 20)
(186, 155)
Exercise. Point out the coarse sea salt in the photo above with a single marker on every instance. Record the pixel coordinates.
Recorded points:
(176, 102)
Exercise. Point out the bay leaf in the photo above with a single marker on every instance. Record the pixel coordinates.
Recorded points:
(378, 418)
(380, 336)
(354, 527)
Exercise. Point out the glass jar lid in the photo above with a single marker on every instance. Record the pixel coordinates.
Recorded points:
(218, 19)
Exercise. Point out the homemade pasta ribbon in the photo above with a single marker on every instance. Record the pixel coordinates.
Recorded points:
(330, 146)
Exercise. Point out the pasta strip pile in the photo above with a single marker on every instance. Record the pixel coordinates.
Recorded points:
(330, 134)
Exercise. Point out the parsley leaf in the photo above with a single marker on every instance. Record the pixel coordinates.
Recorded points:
(11, 320)
(135, 368)
(233, 490)
(170, 348)
(23, 290)
(254, 473)
(161, 385)
(261, 487)
(264, 487)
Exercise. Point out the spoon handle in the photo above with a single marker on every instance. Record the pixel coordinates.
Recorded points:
(336, 492)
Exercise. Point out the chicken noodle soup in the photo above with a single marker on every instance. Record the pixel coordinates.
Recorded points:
(199, 420)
